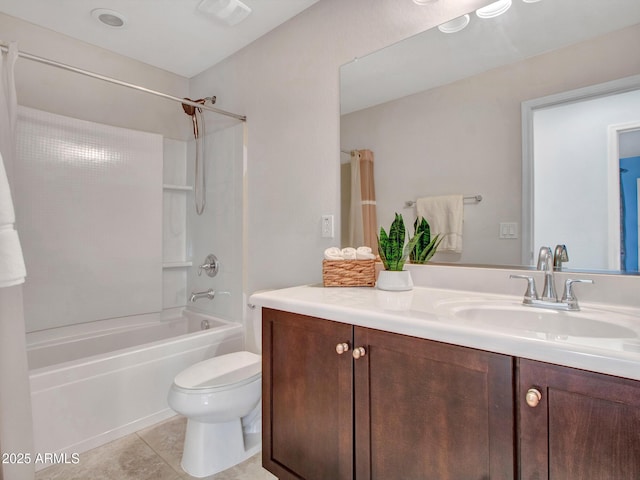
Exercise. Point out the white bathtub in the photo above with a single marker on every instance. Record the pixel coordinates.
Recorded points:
(96, 382)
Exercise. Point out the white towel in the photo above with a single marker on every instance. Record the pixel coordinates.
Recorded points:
(445, 215)
(333, 253)
(364, 253)
(349, 253)
(7, 216)
(12, 270)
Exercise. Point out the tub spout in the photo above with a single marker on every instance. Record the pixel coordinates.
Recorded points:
(196, 295)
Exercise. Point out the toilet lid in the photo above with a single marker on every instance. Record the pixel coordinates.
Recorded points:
(230, 369)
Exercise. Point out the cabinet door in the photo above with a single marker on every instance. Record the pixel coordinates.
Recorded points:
(585, 426)
(307, 401)
(432, 411)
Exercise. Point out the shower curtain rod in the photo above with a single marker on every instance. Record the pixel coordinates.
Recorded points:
(64, 66)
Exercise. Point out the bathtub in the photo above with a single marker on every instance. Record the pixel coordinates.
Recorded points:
(96, 382)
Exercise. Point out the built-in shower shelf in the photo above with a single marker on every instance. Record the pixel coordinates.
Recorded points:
(180, 188)
(177, 264)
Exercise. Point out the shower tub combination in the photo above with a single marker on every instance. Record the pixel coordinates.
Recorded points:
(96, 382)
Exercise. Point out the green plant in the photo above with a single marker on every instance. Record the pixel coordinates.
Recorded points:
(426, 246)
(393, 252)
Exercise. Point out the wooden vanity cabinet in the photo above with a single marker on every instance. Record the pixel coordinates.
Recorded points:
(408, 408)
(584, 425)
(307, 430)
(430, 410)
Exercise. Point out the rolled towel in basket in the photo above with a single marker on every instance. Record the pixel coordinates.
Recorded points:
(333, 253)
(364, 253)
(349, 253)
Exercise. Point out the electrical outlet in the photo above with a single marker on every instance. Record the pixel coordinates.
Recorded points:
(327, 226)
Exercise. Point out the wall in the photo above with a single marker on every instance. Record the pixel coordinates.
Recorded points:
(218, 230)
(89, 213)
(287, 83)
(465, 137)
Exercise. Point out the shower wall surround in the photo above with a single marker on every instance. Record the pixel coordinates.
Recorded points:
(89, 213)
(174, 226)
(219, 230)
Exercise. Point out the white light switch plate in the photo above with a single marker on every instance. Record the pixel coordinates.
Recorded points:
(508, 230)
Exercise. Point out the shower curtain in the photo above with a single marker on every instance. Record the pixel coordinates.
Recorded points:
(16, 430)
(363, 219)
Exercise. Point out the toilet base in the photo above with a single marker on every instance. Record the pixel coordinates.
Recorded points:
(210, 448)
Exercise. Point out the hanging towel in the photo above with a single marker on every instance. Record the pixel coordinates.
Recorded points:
(445, 215)
(12, 269)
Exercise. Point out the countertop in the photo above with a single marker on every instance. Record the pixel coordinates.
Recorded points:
(430, 313)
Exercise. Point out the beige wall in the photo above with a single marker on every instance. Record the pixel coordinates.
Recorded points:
(465, 137)
(287, 83)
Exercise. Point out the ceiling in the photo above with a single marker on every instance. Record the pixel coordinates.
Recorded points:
(169, 34)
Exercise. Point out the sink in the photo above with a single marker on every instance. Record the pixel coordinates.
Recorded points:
(596, 324)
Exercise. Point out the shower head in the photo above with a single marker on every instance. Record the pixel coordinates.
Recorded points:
(191, 110)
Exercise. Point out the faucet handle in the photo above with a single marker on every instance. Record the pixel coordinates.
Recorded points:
(568, 296)
(531, 293)
(210, 266)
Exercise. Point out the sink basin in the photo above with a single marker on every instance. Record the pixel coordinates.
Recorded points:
(549, 322)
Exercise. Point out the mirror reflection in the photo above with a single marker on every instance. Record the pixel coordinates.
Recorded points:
(443, 114)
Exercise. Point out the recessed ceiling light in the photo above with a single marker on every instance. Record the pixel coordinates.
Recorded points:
(530, 1)
(107, 17)
(454, 25)
(494, 9)
(424, 2)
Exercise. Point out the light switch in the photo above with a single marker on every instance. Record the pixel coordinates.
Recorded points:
(508, 230)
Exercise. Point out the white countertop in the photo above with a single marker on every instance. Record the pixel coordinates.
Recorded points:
(426, 313)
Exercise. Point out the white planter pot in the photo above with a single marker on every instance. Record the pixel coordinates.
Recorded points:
(394, 281)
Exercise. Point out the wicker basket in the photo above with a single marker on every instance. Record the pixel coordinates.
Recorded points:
(349, 273)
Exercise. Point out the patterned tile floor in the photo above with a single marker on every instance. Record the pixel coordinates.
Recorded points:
(150, 454)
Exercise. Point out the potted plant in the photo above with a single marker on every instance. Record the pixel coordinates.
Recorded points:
(394, 253)
(426, 246)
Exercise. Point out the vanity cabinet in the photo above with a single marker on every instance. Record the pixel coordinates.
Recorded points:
(307, 430)
(577, 425)
(407, 408)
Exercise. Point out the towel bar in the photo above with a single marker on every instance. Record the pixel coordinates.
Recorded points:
(475, 198)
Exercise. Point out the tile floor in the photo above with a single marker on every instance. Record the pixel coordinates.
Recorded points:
(150, 454)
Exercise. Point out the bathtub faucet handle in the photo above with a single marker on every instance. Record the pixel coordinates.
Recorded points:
(210, 266)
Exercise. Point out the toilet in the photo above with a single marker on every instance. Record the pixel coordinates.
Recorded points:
(220, 397)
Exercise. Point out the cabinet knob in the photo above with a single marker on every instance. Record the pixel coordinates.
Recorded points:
(533, 397)
(359, 352)
(341, 348)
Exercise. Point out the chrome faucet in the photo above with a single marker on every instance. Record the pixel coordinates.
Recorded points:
(196, 295)
(559, 256)
(545, 264)
(549, 297)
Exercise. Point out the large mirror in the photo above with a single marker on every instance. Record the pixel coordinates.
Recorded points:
(497, 110)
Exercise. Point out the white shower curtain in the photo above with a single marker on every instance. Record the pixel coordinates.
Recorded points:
(16, 429)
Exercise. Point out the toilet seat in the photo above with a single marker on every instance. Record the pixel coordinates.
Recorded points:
(220, 373)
